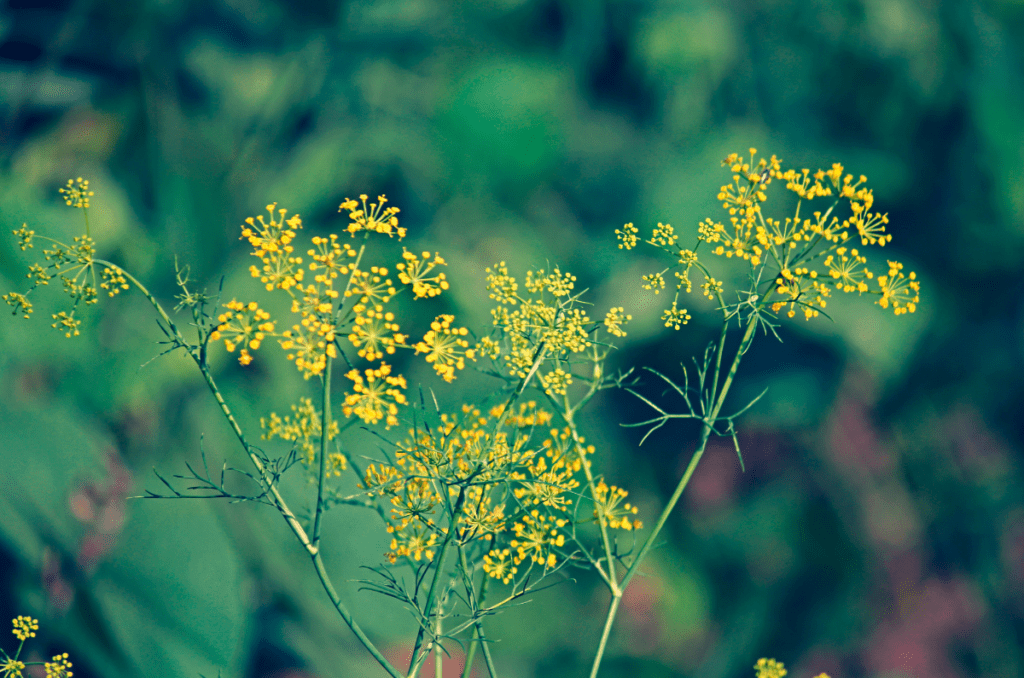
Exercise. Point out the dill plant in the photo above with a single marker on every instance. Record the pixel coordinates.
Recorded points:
(485, 504)
(12, 666)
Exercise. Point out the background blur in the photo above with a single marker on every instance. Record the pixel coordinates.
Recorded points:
(876, 531)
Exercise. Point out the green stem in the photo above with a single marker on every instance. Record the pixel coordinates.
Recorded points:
(414, 665)
(279, 503)
(478, 628)
(705, 434)
(438, 660)
(325, 427)
(612, 610)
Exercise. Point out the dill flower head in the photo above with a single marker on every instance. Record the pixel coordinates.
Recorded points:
(416, 271)
(609, 507)
(807, 255)
(245, 325)
(12, 668)
(769, 668)
(374, 218)
(375, 396)
(77, 193)
(446, 347)
(548, 316)
(59, 667)
(303, 428)
(615, 319)
(374, 332)
(25, 627)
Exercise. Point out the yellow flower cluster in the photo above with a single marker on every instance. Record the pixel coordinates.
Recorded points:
(446, 347)
(320, 291)
(12, 666)
(615, 319)
(769, 668)
(467, 456)
(304, 430)
(374, 332)
(810, 255)
(610, 507)
(76, 193)
(58, 667)
(25, 627)
(416, 270)
(76, 267)
(375, 218)
(375, 396)
(242, 324)
(547, 318)
(271, 243)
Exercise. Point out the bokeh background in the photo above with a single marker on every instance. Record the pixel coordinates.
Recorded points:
(878, 530)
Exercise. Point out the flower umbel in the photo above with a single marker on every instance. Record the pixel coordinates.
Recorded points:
(245, 325)
(375, 217)
(25, 627)
(803, 253)
(446, 347)
(769, 668)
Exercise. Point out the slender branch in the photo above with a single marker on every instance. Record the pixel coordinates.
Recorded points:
(279, 503)
(612, 610)
(706, 430)
(325, 427)
(413, 663)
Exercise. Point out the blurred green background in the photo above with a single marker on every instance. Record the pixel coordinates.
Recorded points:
(876, 531)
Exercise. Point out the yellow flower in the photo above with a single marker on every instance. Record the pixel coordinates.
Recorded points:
(77, 193)
(375, 218)
(245, 325)
(615, 319)
(627, 236)
(375, 333)
(607, 507)
(12, 668)
(25, 627)
(304, 430)
(376, 396)
(415, 271)
(498, 564)
(445, 347)
(59, 667)
(769, 668)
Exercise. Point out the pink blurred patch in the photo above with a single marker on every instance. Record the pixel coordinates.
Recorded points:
(853, 442)
(1012, 543)
(820, 659)
(643, 614)
(713, 484)
(60, 594)
(915, 642)
(102, 509)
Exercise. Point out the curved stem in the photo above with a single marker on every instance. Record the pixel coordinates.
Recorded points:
(279, 503)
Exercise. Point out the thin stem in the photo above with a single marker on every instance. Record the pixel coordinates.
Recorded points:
(279, 503)
(413, 663)
(612, 609)
(610, 576)
(347, 616)
(325, 427)
(705, 433)
(478, 628)
(438, 663)
(702, 442)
